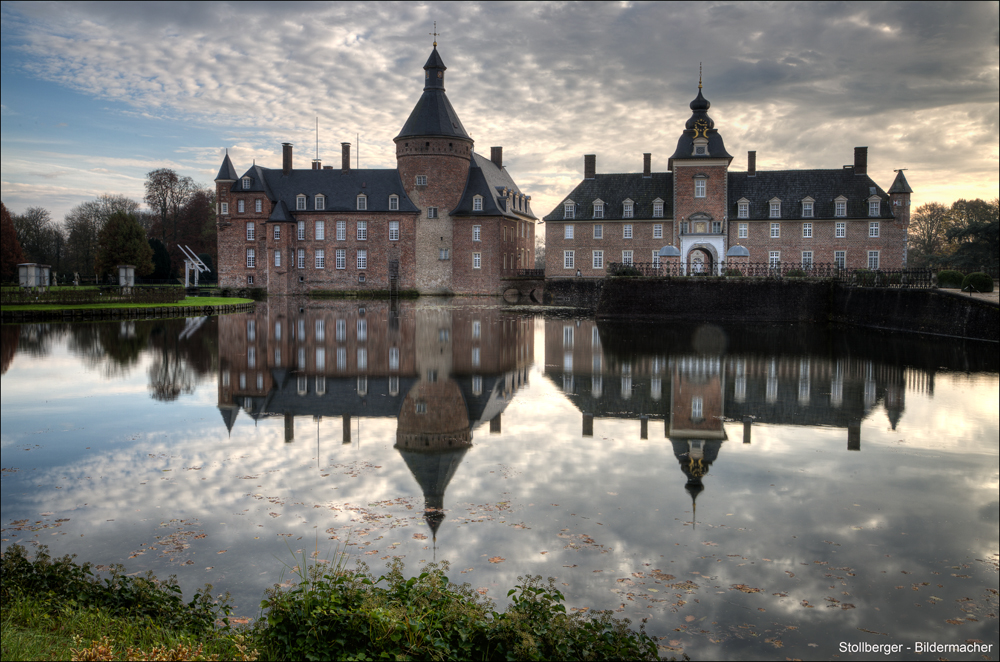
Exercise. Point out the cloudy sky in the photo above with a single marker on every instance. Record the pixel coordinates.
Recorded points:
(95, 95)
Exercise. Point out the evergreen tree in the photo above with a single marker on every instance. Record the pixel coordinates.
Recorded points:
(123, 241)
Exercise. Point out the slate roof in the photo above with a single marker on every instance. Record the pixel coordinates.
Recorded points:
(900, 185)
(700, 119)
(489, 181)
(433, 115)
(341, 189)
(792, 186)
(613, 189)
(227, 172)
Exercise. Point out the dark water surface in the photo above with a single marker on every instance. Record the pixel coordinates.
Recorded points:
(754, 492)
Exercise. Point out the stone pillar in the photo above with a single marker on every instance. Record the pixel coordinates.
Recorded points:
(747, 422)
(588, 424)
(347, 428)
(644, 427)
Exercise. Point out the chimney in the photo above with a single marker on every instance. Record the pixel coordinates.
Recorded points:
(647, 165)
(752, 163)
(589, 166)
(860, 160)
(317, 164)
(345, 157)
(286, 158)
(496, 155)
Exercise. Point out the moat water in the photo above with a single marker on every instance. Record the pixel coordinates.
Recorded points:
(752, 492)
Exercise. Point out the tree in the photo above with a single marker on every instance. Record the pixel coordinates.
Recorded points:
(928, 234)
(84, 224)
(123, 241)
(10, 247)
(161, 259)
(975, 230)
(166, 194)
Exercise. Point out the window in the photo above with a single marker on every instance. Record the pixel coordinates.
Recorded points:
(627, 207)
(774, 259)
(567, 232)
(393, 203)
(743, 210)
(807, 209)
(444, 254)
(249, 280)
(657, 210)
(341, 230)
(697, 405)
(598, 210)
(393, 358)
(301, 230)
(475, 357)
(626, 257)
(477, 329)
(840, 259)
(246, 183)
(421, 180)
(684, 227)
(841, 230)
(320, 230)
(277, 258)
(362, 259)
(807, 260)
(775, 230)
(477, 260)
(362, 230)
(699, 188)
(432, 212)
(873, 207)
(277, 233)
(301, 259)
(477, 203)
(598, 259)
(656, 259)
(341, 358)
(240, 206)
(300, 202)
(224, 208)
(320, 259)
(743, 231)
(873, 229)
(716, 227)
(627, 231)
(477, 233)
(340, 257)
(362, 330)
(569, 210)
(873, 260)
(362, 202)
(251, 235)
(569, 259)
(807, 230)
(251, 258)
(841, 208)
(362, 359)
(393, 230)
(658, 231)
(775, 209)
(320, 202)
(598, 231)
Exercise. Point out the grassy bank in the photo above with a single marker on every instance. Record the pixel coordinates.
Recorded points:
(186, 301)
(57, 609)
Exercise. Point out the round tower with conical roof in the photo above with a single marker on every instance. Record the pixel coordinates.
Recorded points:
(433, 152)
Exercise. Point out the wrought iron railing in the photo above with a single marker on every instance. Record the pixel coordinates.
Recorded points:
(814, 270)
(530, 273)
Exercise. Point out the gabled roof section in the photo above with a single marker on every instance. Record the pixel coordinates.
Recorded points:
(793, 185)
(258, 182)
(900, 185)
(488, 181)
(614, 189)
(433, 115)
(340, 189)
(227, 173)
(280, 213)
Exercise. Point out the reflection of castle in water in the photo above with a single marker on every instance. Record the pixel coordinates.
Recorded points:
(695, 379)
(442, 372)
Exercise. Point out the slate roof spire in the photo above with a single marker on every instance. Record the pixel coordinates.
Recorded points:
(434, 115)
(700, 125)
(227, 173)
(900, 185)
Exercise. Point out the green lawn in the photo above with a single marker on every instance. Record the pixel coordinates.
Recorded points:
(187, 301)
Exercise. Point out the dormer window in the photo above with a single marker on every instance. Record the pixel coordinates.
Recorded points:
(627, 209)
(598, 208)
(775, 207)
(393, 203)
(701, 146)
(477, 203)
(300, 203)
(320, 202)
(569, 209)
(246, 183)
(658, 208)
(362, 202)
(840, 206)
(743, 208)
(874, 206)
(807, 208)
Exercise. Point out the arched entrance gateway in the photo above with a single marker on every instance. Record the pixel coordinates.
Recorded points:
(700, 261)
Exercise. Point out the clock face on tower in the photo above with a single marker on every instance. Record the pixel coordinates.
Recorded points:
(700, 128)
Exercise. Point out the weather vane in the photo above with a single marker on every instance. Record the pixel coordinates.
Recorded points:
(699, 75)
(435, 34)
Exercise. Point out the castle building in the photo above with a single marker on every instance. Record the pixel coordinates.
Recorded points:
(703, 209)
(444, 220)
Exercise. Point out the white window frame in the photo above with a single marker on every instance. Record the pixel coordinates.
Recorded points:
(362, 258)
(840, 229)
(301, 230)
(657, 230)
(657, 210)
(362, 202)
(627, 231)
(569, 259)
(716, 227)
(477, 260)
(421, 180)
(319, 230)
(874, 208)
(320, 258)
(393, 230)
(300, 203)
(743, 210)
(598, 259)
(568, 231)
(224, 208)
(432, 212)
(807, 260)
(477, 233)
(599, 231)
(807, 209)
(807, 230)
(393, 203)
(628, 209)
(341, 230)
(774, 259)
(251, 231)
(258, 205)
(627, 257)
(277, 258)
(246, 183)
(743, 230)
(477, 203)
(701, 187)
(774, 208)
(598, 210)
(251, 259)
(840, 208)
(362, 231)
(241, 206)
(319, 202)
(873, 229)
(340, 257)
(873, 260)
(569, 210)
(300, 259)
(840, 259)
(656, 259)
(775, 230)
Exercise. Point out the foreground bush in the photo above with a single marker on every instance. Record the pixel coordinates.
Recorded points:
(352, 615)
(950, 278)
(978, 282)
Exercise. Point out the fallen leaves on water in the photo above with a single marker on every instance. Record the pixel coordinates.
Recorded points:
(744, 588)
(497, 559)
